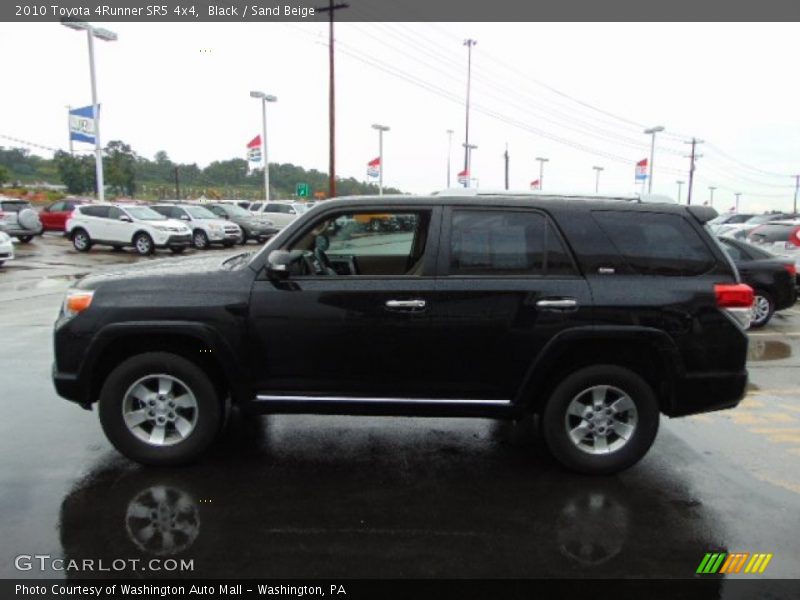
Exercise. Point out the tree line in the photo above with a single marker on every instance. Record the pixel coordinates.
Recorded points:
(128, 174)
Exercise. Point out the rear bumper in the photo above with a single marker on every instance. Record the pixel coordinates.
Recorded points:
(707, 392)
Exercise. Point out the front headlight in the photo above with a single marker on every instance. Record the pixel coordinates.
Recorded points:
(4, 238)
(77, 301)
(161, 227)
(216, 228)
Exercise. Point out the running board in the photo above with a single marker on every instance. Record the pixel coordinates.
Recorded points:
(355, 405)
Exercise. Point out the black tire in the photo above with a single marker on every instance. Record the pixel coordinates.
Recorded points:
(245, 237)
(228, 244)
(555, 420)
(200, 240)
(208, 409)
(25, 238)
(81, 240)
(763, 309)
(2, 262)
(143, 244)
(177, 249)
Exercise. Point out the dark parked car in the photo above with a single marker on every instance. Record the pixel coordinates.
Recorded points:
(595, 314)
(253, 227)
(772, 278)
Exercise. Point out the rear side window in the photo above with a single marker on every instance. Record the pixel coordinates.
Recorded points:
(95, 211)
(506, 243)
(14, 206)
(656, 243)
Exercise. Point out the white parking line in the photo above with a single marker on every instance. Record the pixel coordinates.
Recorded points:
(774, 333)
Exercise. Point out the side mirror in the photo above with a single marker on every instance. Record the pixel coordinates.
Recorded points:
(125, 218)
(279, 263)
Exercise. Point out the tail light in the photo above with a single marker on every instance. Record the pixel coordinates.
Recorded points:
(794, 237)
(792, 268)
(737, 300)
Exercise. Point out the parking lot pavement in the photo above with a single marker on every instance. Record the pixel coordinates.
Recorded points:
(306, 496)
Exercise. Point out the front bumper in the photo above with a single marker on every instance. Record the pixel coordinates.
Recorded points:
(706, 392)
(7, 252)
(175, 241)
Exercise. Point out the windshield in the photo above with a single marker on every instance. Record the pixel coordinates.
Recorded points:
(235, 210)
(144, 213)
(200, 212)
(758, 219)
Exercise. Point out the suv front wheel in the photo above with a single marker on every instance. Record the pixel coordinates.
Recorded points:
(600, 420)
(143, 244)
(159, 409)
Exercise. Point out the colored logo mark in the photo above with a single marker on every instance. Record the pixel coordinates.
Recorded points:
(734, 562)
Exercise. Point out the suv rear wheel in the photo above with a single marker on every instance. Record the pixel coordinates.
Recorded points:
(763, 309)
(25, 238)
(81, 240)
(600, 420)
(159, 409)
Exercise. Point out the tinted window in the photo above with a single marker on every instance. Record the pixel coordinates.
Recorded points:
(255, 206)
(57, 207)
(506, 243)
(656, 243)
(734, 251)
(114, 213)
(14, 206)
(95, 211)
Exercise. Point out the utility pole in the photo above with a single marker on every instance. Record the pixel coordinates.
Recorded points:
(693, 158)
(796, 186)
(680, 184)
(541, 171)
(177, 185)
(469, 43)
(69, 128)
(737, 194)
(449, 145)
(505, 156)
(711, 189)
(331, 97)
(597, 179)
(652, 131)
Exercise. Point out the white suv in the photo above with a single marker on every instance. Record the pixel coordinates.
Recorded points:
(120, 225)
(280, 212)
(207, 228)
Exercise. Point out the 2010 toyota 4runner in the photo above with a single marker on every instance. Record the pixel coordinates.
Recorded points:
(595, 314)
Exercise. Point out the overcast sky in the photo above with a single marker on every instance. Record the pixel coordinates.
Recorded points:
(184, 88)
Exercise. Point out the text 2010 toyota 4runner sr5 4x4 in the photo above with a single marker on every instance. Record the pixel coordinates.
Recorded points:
(595, 314)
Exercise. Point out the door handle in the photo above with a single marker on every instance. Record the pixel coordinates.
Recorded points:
(557, 303)
(405, 304)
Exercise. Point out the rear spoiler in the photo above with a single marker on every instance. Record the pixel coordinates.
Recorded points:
(702, 213)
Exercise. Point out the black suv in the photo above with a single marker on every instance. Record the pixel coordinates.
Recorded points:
(594, 314)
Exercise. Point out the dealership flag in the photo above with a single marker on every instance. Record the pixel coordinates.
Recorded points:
(536, 184)
(463, 176)
(81, 124)
(374, 167)
(254, 149)
(641, 170)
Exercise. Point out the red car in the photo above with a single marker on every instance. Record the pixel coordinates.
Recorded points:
(54, 217)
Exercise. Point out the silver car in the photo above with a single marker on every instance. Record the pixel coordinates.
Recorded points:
(21, 219)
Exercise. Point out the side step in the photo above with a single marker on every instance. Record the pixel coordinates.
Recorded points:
(355, 405)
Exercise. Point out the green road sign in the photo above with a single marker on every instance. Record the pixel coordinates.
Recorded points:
(302, 190)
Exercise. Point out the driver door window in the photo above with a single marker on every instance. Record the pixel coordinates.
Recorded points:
(366, 243)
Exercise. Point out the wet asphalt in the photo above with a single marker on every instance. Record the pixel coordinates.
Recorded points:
(322, 496)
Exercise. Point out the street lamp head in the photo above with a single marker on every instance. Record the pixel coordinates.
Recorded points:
(450, 131)
(540, 159)
(76, 25)
(270, 98)
(256, 94)
(654, 129)
(680, 182)
(104, 34)
(380, 127)
(598, 168)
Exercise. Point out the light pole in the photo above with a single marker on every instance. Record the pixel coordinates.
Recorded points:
(796, 188)
(264, 99)
(680, 184)
(449, 145)
(107, 36)
(711, 189)
(541, 171)
(652, 131)
(469, 44)
(468, 148)
(737, 194)
(381, 129)
(597, 179)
